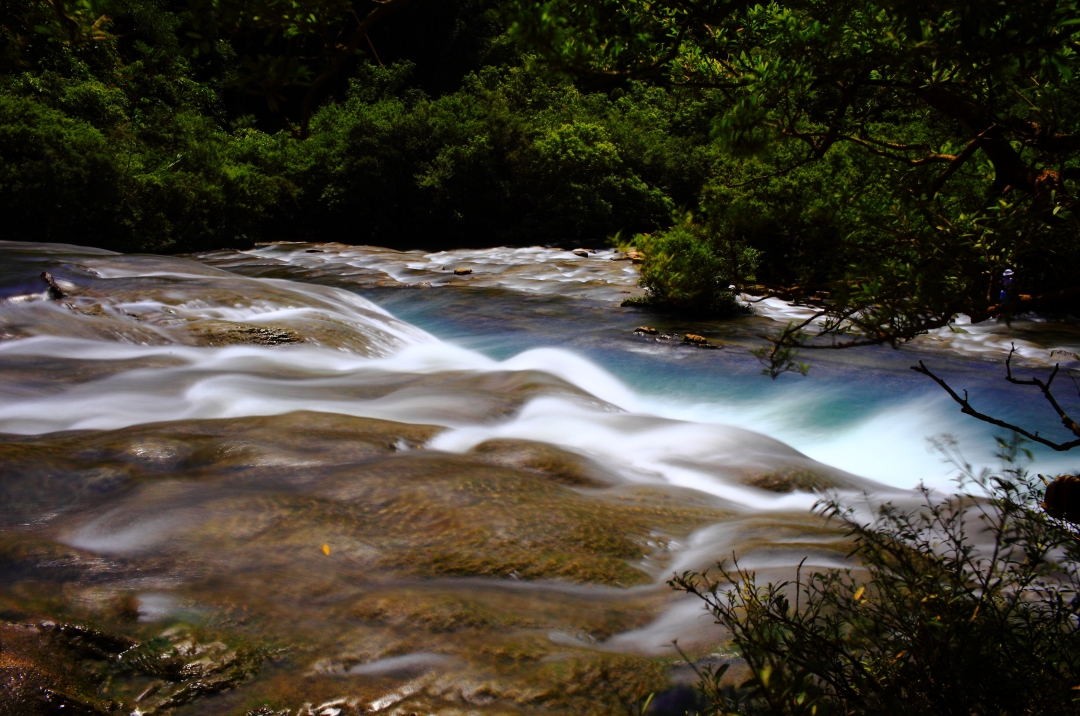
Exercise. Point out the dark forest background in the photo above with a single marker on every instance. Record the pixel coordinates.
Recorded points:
(138, 125)
(885, 161)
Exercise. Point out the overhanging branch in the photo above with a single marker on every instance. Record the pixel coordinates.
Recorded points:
(966, 409)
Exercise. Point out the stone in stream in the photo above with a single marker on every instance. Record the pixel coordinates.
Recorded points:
(784, 481)
(1062, 500)
(55, 292)
(648, 330)
(61, 668)
(462, 271)
(582, 253)
(632, 256)
(227, 333)
(559, 465)
(698, 341)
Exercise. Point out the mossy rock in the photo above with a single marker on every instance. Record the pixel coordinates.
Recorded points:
(792, 480)
(560, 465)
(227, 333)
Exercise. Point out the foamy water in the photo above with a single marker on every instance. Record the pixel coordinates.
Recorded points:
(601, 276)
(142, 340)
(703, 443)
(991, 338)
(597, 273)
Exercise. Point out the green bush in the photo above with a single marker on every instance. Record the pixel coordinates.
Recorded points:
(163, 180)
(967, 605)
(58, 175)
(510, 158)
(125, 125)
(694, 268)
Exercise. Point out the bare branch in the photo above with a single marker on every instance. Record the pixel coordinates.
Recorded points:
(966, 409)
(1068, 422)
(955, 164)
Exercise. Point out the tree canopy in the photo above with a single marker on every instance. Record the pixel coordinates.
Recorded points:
(968, 107)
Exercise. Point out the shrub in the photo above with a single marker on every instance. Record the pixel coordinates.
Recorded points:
(964, 606)
(692, 268)
(58, 175)
(510, 158)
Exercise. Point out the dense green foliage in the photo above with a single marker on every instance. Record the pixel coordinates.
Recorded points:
(509, 158)
(113, 142)
(176, 126)
(694, 267)
(888, 160)
(968, 606)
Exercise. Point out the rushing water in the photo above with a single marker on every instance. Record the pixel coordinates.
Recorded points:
(863, 411)
(501, 471)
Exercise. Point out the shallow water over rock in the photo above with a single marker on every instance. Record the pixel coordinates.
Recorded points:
(309, 488)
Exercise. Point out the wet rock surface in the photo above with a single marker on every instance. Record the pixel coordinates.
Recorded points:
(632, 255)
(560, 465)
(159, 300)
(805, 480)
(495, 580)
(691, 340)
(236, 495)
(51, 668)
(532, 270)
(252, 500)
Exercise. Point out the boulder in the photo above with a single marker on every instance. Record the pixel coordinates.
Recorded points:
(462, 271)
(647, 330)
(1062, 498)
(695, 339)
(582, 253)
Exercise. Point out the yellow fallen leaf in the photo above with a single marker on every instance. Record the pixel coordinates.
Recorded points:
(326, 550)
(859, 593)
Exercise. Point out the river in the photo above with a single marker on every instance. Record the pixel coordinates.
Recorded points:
(336, 479)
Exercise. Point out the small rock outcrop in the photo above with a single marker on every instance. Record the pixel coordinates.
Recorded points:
(55, 292)
(462, 272)
(1062, 499)
(792, 480)
(632, 256)
(646, 330)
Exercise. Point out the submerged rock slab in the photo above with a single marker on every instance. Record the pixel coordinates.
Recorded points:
(531, 270)
(511, 566)
(161, 300)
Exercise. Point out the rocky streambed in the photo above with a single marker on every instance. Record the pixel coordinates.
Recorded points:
(275, 482)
